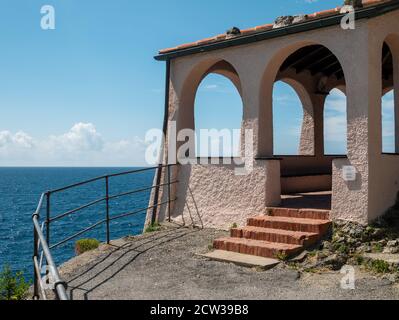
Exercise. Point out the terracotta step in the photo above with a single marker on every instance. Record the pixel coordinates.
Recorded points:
(276, 235)
(257, 248)
(300, 213)
(292, 224)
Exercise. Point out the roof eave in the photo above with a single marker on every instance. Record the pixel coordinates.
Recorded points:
(365, 13)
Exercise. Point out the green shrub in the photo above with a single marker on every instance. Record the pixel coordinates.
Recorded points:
(234, 226)
(13, 286)
(282, 256)
(379, 266)
(359, 259)
(154, 227)
(377, 248)
(85, 245)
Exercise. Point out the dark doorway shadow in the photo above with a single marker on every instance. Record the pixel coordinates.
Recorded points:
(311, 200)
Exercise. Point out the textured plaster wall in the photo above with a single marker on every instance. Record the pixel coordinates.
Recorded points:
(214, 196)
(346, 196)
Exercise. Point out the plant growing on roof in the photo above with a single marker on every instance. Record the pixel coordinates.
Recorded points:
(354, 3)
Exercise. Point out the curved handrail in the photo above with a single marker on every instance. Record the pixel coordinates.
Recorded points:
(59, 285)
(53, 280)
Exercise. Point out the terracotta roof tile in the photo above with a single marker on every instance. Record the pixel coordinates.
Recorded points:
(221, 37)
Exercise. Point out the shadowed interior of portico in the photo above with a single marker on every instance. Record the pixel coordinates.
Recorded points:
(310, 200)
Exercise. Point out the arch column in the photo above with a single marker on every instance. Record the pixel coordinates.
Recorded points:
(307, 136)
(258, 112)
(352, 200)
(318, 103)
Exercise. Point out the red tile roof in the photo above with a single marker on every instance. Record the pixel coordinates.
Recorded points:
(265, 27)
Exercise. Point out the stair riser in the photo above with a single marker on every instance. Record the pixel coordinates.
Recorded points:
(267, 236)
(296, 213)
(291, 226)
(252, 250)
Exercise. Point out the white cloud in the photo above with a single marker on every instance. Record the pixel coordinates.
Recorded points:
(82, 145)
(81, 137)
(211, 86)
(19, 140)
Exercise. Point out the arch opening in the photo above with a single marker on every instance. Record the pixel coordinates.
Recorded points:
(317, 71)
(389, 109)
(218, 113)
(388, 122)
(335, 123)
(287, 129)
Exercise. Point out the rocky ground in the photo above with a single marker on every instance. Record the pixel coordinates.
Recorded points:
(373, 248)
(166, 265)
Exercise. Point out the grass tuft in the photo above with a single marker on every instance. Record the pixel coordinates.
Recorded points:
(84, 245)
(378, 266)
(154, 227)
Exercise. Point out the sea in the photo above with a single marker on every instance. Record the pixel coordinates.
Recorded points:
(20, 190)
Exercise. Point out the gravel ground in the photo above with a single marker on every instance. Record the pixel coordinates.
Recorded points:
(165, 265)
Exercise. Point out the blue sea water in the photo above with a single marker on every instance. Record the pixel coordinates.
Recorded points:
(20, 190)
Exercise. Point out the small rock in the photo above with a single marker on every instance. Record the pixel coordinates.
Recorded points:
(300, 18)
(336, 261)
(382, 242)
(386, 250)
(393, 243)
(395, 250)
(358, 244)
(394, 277)
(283, 21)
(326, 245)
(364, 248)
(339, 239)
(386, 280)
(321, 255)
(391, 250)
(351, 241)
(300, 258)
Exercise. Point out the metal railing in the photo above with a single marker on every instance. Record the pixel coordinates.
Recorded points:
(50, 279)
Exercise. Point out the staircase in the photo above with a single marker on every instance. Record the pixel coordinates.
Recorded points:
(282, 233)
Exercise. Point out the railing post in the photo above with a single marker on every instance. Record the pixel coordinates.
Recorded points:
(35, 255)
(48, 221)
(48, 218)
(107, 207)
(169, 215)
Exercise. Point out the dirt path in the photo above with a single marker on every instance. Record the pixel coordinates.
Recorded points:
(165, 265)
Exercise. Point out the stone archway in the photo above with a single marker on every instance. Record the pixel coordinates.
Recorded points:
(185, 97)
(311, 69)
(218, 114)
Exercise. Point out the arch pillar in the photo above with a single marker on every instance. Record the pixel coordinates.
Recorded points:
(352, 200)
(318, 118)
(307, 135)
(258, 113)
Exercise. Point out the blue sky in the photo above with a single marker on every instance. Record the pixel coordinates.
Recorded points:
(86, 93)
